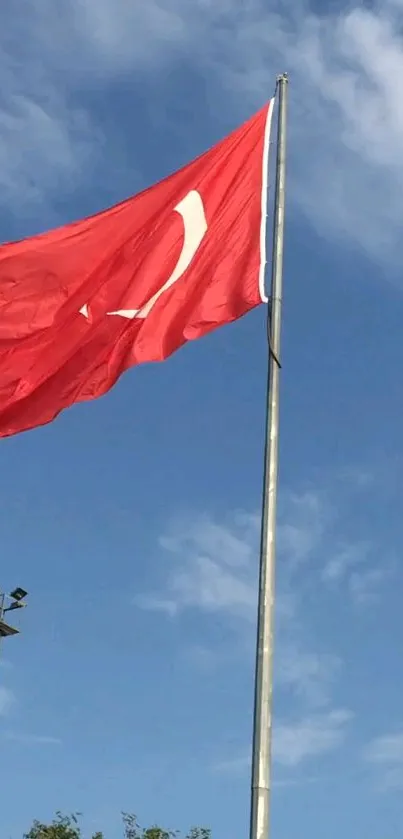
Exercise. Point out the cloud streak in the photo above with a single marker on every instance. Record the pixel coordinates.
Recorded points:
(32, 739)
(385, 755)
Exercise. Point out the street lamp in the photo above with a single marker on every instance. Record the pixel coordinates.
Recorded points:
(9, 602)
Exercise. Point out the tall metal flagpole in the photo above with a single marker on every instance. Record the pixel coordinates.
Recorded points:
(262, 725)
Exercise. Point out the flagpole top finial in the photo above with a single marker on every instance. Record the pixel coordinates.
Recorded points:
(282, 77)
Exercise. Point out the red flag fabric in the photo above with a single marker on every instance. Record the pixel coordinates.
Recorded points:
(81, 304)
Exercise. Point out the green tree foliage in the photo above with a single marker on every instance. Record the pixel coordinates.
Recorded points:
(62, 827)
(132, 830)
(68, 827)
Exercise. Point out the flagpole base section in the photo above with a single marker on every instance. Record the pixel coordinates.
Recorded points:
(259, 822)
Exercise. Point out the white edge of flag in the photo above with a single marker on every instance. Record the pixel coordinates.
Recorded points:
(264, 202)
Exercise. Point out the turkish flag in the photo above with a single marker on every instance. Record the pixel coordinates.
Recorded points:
(81, 304)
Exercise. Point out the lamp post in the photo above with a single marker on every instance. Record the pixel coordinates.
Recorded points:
(8, 603)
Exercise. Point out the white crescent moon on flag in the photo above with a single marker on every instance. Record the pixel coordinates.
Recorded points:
(191, 209)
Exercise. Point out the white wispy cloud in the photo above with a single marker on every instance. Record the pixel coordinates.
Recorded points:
(346, 558)
(42, 146)
(7, 699)
(359, 478)
(366, 586)
(346, 113)
(302, 523)
(352, 568)
(214, 565)
(211, 565)
(46, 140)
(234, 766)
(210, 538)
(294, 742)
(310, 675)
(385, 754)
(300, 740)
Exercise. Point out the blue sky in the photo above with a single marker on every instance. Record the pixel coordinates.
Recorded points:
(133, 520)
